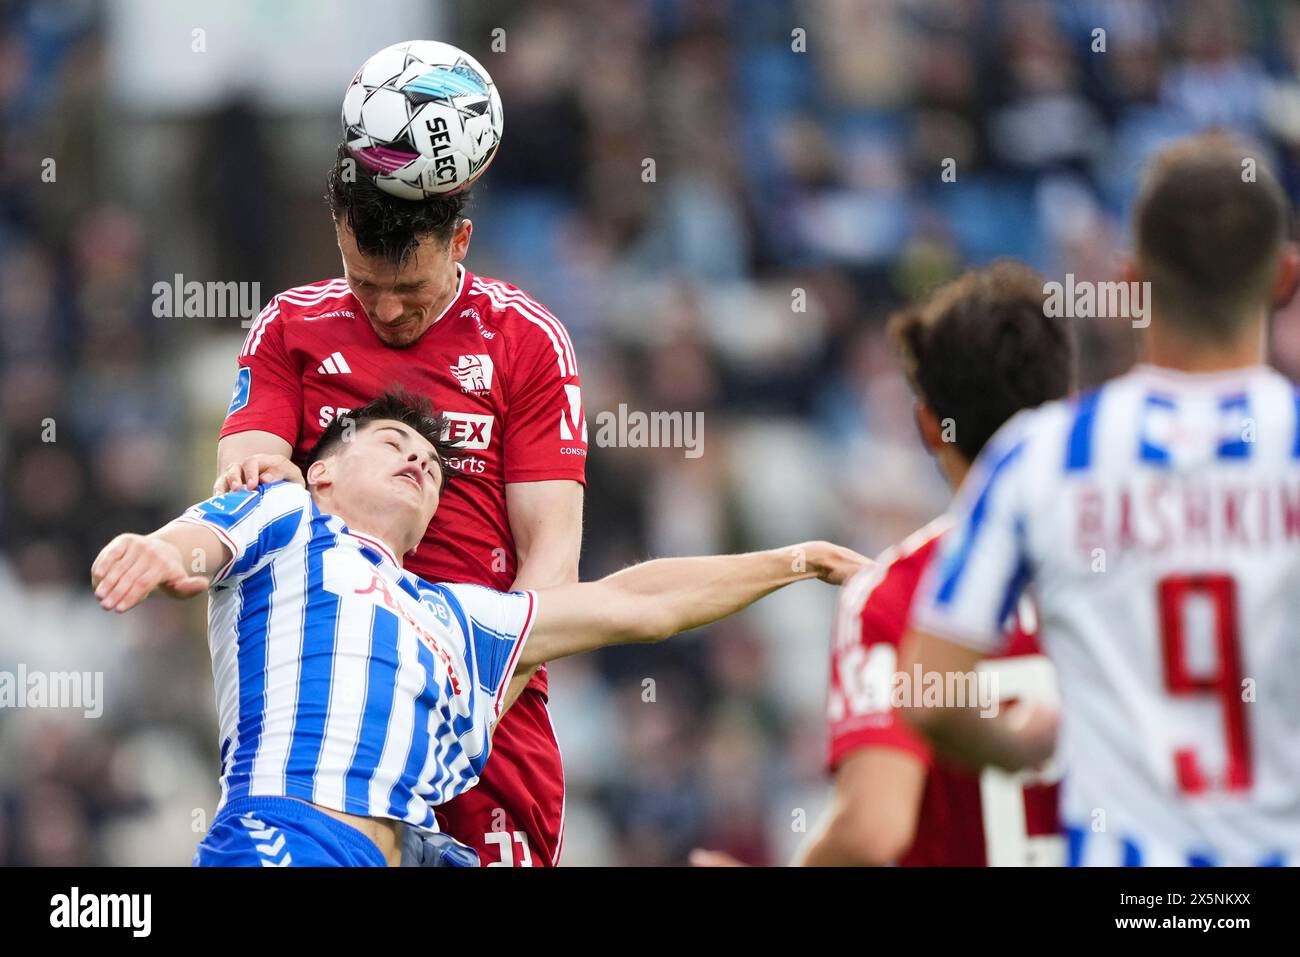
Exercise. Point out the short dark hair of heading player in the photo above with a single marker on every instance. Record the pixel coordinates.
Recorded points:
(1210, 226)
(982, 347)
(385, 225)
(395, 405)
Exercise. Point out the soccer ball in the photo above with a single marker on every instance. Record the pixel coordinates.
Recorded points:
(424, 117)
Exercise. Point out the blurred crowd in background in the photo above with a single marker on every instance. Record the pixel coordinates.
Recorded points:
(795, 199)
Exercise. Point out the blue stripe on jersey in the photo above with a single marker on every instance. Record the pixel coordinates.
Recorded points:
(1200, 860)
(462, 723)
(438, 785)
(315, 667)
(1078, 453)
(458, 610)
(955, 565)
(1019, 578)
(1132, 853)
(1149, 451)
(275, 535)
(1236, 447)
(404, 786)
(492, 653)
(1273, 860)
(1074, 841)
(381, 692)
(1295, 448)
(250, 640)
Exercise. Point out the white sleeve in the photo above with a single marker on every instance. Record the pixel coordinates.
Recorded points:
(498, 627)
(255, 524)
(974, 582)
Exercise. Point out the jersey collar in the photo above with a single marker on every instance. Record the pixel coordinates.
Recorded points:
(462, 274)
(1169, 376)
(373, 541)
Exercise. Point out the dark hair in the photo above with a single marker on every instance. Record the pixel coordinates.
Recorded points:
(981, 348)
(386, 225)
(396, 405)
(1208, 235)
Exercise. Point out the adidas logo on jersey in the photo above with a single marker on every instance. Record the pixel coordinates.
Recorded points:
(344, 313)
(474, 373)
(334, 364)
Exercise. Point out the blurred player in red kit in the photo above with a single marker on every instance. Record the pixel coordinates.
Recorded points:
(407, 312)
(976, 352)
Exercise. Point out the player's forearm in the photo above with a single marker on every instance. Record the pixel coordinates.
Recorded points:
(546, 523)
(829, 848)
(546, 568)
(235, 448)
(965, 736)
(651, 601)
(672, 595)
(199, 549)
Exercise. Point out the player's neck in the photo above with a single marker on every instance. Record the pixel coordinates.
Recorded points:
(386, 530)
(1169, 349)
(953, 464)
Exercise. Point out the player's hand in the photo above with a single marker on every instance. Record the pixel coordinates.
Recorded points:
(1035, 727)
(261, 469)
(703, 858)
(131, 566)
(831, 563)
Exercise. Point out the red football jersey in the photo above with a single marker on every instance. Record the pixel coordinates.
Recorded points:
(965, 819)
(502, 370)
(498, 365)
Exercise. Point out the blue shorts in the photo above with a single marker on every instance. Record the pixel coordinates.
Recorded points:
(283, 832)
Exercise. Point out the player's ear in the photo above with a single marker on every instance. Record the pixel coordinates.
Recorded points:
(928, 425)
(460, 240)
(1288, 275)
(319, 474)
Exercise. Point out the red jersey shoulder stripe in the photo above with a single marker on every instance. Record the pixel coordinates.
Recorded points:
(308, 295)
(504, 297)
(517, 297)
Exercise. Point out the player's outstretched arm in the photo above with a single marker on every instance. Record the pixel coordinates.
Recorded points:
(657, 599)
(178, 559)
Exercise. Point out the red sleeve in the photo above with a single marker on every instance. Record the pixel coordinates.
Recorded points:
(546, 430)
(871, 620)
(268, 390)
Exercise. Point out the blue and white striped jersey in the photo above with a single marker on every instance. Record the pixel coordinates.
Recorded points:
(340, 678)
(1158, 521)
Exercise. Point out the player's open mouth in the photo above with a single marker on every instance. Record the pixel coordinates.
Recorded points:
(412, 476)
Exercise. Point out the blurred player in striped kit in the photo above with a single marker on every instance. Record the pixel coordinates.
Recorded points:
(1157, 519)
(355, 697)
(976, 352)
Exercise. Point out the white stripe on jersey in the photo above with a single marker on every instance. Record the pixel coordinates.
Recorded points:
(530, 310)
(380, 701)
(300, 296)
(526, 302)
(1158, 519)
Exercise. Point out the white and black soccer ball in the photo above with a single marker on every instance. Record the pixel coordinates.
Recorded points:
(424, 117)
